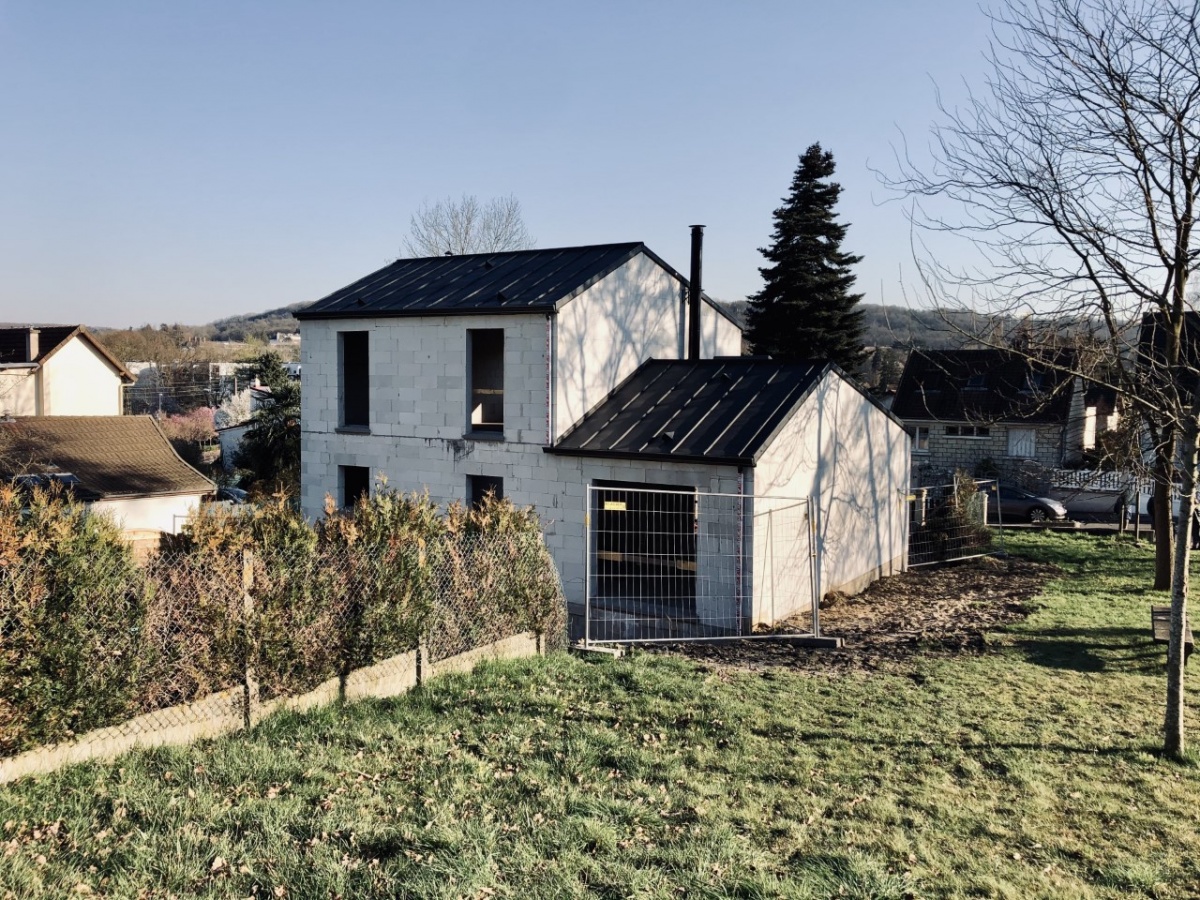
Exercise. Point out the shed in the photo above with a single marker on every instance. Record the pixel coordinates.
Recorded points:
(809, 472)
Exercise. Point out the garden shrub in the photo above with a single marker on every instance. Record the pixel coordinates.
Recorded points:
(89, 638)
(72, 610)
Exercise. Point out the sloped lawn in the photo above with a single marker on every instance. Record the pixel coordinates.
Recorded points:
(1023, 766)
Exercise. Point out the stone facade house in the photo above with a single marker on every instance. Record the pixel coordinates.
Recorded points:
(553, 376)
(989, 410)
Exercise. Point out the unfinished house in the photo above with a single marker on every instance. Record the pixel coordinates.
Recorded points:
(682, 488)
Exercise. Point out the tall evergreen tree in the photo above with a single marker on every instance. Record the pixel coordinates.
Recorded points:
(270, 450)
(806, 310)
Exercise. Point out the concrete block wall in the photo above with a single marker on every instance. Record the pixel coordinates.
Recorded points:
(637, 312)
(418, 404)
(853, 459)
(553, 485)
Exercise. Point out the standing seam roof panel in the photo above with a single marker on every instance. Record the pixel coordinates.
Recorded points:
(532, 280)
(723, 410)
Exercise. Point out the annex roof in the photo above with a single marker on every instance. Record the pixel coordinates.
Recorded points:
(112, 457)
(982, 385)
(514, 281)
(14, 345)
(723, 410)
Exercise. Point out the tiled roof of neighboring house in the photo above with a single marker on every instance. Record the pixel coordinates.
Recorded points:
(112, 456)
(516, 281)
(1152, 339)
(14, 345)
(986, 385)
(712, 410)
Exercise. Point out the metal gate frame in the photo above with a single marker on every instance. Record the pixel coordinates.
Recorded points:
(956, 536)
(688, 553)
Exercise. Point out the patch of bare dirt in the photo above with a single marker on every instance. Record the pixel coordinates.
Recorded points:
(934, 611)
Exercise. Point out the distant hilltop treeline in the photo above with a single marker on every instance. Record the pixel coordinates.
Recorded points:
(900, 327)
(886, 326)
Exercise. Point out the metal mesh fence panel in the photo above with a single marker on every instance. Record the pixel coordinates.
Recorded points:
(679, 564)
(951, 521)
(192, 640)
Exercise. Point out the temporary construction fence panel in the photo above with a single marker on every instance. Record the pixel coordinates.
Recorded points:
(950, 521)
(670, 564)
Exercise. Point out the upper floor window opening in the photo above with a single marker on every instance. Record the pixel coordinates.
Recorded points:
(354, 380)
(485, 379)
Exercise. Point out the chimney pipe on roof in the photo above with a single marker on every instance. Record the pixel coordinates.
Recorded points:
(32, 345)
(694, 291)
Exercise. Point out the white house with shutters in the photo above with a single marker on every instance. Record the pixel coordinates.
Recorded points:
(539, 373)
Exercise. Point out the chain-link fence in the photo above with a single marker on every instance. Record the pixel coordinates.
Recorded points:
(680, 564)
(951, 521)
(202, 640)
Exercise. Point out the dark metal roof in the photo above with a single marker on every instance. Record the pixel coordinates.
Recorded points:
(513, 281)
(723, 410)
(111, 456)
(982, 385)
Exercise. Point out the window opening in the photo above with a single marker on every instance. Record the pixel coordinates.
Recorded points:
(354, 368)
(967, 431)
(485, 354)
(920, 439)
(355, 483)
(479, 486)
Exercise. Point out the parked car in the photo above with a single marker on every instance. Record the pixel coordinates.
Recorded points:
(1145, 507)
(232, 494)
(1017, 505)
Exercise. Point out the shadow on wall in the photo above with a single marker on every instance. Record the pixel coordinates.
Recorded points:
(606, 333)
(853, 458)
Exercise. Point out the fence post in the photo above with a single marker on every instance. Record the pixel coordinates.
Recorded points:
(249, 685)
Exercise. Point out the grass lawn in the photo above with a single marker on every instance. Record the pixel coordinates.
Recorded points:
(1026, 771)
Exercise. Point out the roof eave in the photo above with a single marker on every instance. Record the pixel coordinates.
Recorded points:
(654, 457)
(150, 495)
(540, 309)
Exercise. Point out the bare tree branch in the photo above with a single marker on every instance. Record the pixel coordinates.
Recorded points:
(467, 226)
(1074, 175)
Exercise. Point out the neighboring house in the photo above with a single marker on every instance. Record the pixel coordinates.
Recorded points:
(537, 373)
(58, 370)
(230, 438)
(987, 409)
(120, 465)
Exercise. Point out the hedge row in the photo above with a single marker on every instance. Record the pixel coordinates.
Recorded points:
(90, 637)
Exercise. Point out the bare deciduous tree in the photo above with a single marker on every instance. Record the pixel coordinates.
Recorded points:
(1075, 174)
(467, 226)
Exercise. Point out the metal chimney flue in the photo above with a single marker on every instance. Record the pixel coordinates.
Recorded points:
(694, 290)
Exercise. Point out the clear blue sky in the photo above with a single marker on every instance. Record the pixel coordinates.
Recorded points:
(183, 161)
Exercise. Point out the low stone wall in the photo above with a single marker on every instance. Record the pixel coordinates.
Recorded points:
(226, 712)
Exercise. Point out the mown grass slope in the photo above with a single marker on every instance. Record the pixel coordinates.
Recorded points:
(1029, 770)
